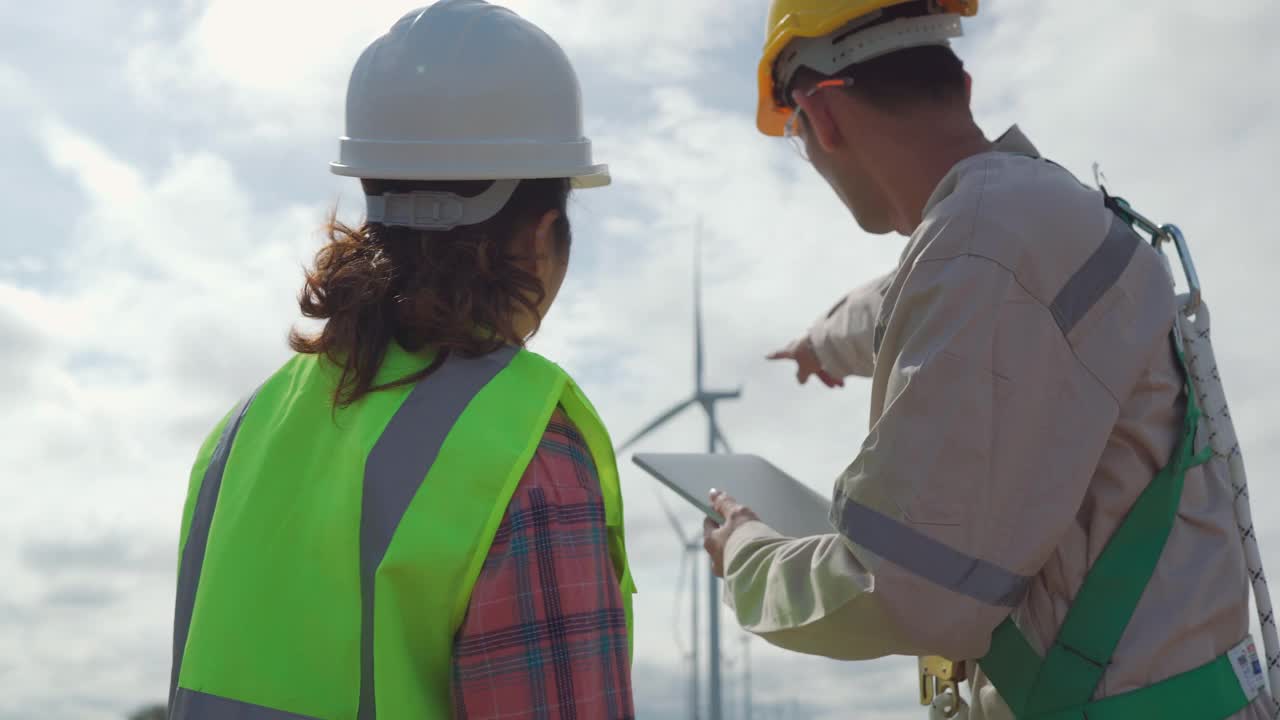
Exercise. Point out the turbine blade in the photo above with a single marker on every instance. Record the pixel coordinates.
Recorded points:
(671, 518)
(677, 599)
(715, 428)
(654, 425)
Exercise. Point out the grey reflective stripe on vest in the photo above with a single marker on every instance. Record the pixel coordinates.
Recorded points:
(920, 554)
(395, 469)
(192, 705)
(1098, 274)
(198, 539)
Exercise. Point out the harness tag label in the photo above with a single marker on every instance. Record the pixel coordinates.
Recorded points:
(1244, 660)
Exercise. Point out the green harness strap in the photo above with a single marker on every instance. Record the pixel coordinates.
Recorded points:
(1059, 686)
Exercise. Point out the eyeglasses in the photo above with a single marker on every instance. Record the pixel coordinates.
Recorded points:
(791, 131)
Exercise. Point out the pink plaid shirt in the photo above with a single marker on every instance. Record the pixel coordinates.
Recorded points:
(545, 634)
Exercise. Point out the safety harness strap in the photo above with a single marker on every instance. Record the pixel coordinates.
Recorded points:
(1103, 607)
(1210, 692)
(1059, 686)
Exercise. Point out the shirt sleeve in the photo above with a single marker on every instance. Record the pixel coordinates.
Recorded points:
(545, 632)
(844, 338)
(809, 595)
(974, 470)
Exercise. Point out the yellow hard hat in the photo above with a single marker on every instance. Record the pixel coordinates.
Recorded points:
(793, 19)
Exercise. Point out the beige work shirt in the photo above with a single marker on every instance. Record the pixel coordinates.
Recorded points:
(1024, 392)
(844, 338)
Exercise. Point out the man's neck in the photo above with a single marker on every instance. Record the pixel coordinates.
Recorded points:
(920, 167)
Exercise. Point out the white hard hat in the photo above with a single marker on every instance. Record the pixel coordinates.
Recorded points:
(462, 90)
(465, 90)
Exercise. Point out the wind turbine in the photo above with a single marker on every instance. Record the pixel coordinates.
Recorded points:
(690, 545)
(707, 399)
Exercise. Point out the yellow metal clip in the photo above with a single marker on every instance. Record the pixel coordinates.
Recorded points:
(937, 676)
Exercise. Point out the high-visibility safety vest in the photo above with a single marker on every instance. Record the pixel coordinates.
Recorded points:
(328, 554)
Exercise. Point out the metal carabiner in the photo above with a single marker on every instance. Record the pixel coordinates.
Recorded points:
(1159, 234)
(1172, 232)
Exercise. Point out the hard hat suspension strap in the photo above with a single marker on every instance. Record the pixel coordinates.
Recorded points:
(428, 210)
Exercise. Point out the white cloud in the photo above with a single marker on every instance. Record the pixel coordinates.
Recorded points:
(26, 346)
(176, 286)
(102, 175)
(281, 67)
(118, 374)
(16, 91)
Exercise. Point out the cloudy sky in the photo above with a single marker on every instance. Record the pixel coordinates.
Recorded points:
(164, 175)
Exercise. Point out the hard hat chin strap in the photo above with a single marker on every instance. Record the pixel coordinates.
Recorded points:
(428, 210)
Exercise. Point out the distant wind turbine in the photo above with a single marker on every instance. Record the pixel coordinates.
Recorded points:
(707, 399)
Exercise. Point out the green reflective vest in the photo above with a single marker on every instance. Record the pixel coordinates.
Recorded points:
(328, 555)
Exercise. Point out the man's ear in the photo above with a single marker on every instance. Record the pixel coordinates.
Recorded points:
(822, 122)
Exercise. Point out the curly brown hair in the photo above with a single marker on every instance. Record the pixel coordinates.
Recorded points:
(456, 291)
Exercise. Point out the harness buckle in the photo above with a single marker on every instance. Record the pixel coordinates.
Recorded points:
(939, 675)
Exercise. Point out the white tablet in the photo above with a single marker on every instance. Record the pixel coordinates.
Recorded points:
(781, 501)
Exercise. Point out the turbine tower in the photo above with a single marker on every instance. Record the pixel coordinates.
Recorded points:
(707, 399)
(689, 546)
